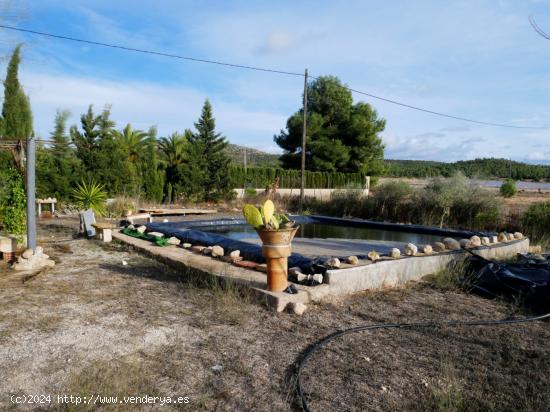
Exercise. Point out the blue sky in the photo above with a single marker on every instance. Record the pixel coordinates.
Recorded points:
(477, 59)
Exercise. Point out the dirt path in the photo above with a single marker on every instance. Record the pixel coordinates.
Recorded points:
(93, 325)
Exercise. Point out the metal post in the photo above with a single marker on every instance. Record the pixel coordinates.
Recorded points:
(304, 134)
(31, 194)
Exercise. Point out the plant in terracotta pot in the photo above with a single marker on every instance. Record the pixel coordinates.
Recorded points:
(276, 232)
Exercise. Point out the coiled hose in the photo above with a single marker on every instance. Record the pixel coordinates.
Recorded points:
(322, 342)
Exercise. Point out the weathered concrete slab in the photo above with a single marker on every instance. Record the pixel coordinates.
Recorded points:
(179, 257)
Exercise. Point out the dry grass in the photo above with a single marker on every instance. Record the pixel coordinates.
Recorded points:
(92, 325)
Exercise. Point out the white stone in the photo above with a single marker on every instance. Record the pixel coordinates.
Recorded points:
(131, 227)
(395, 253)
(352, 260)
(427, 250)
(485, 241)
(518, 235)
(438, 247)
(493, 239)
(27, 254)
(217, 251)
(411, 249)
(174, 241)
(207, 251)
(141, 229)
(333, 263)
(451, 244)
(298, 308)
(235, 253)
(373, 255)
(475, 241)
(198, 248)
(318, 278)
(510, 236)
(502, 237)
(187, 245)
(465, 243)
(156, 234)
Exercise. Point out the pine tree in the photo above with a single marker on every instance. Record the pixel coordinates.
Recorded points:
(16, 110)
(209, 152)
(59, 134)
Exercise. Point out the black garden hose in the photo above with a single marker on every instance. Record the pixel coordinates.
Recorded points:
(322, 342)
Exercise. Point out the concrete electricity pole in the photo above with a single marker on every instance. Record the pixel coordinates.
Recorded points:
(31, 193)
(304, 135)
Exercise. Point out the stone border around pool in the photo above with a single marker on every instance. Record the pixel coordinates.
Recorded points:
(338, 282)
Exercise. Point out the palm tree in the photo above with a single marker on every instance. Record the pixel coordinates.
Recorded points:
(173, 148)
(133, 141)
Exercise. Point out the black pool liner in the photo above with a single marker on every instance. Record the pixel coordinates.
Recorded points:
(194, 232)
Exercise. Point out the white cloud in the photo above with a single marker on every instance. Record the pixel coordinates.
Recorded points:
(144, 104)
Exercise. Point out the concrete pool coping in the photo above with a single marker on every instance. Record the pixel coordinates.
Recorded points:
(339, 282)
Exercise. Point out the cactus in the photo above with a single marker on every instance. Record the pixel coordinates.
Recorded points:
(266, 217)
(253, 216)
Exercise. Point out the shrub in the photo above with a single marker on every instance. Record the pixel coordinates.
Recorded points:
(250, 192)
(90, 196)
(536, 220)
(388, 201)
(508, 188)
(120, 207)
(13, 203)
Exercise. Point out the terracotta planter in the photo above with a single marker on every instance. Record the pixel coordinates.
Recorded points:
(276, 249)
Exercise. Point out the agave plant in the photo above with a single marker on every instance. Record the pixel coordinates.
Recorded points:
(265, 217)
(90, 196)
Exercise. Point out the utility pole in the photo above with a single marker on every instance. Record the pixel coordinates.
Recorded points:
(304, 136)
(245, 160)
(31, 194)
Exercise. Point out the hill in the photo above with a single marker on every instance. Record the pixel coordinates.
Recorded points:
(254, 157)
(478, 168)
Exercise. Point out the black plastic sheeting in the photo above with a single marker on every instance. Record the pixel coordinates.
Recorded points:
(528, 278)
(192, 231)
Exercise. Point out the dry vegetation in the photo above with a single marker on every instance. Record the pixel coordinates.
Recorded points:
(93, 325)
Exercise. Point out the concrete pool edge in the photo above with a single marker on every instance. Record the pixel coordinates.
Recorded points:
(340, 282)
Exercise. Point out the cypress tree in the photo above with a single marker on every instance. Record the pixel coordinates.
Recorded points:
(16, 110)
(209, 148)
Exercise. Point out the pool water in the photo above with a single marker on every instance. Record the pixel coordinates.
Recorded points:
(324, 231)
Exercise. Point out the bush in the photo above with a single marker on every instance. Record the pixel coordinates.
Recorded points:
(508, 188)
(536, 220)
(388, 201)
(250, 192)
(13, 203)
(120, 207)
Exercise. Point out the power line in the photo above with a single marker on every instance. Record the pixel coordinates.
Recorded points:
(263, 69)
(537, 28)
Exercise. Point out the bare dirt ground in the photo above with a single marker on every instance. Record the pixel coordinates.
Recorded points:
(92, 325)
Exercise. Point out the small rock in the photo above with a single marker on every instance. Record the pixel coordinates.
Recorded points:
(373, 255)
(438, 247)
(502, 237)
(174, 241)
(235, 253)
(493, 239)
(141, 229)
(131, 227)
(28, 254)
(352, 260)
(333, 263)
(158, 235)
(518, 235)
(217, 251)
(427, 250)
(411, 249)
(451, 244)
(186, 245)
(510, 236)
(465, 243)
(217, 368)
(124, 263)
(485, 241)
(197, 248)
(535, 249)
(298, 308)
(207, 251)
(262, 267)
(395, 253)
(475, 241)
(317, 278)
